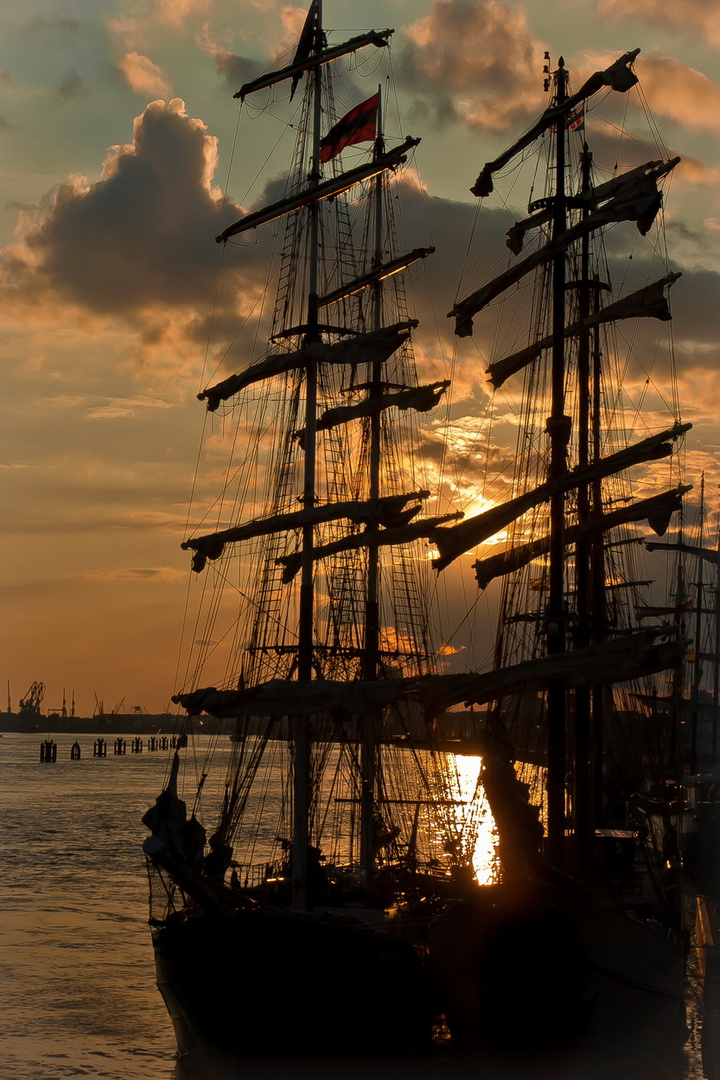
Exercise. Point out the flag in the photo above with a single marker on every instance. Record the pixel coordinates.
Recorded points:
(305, 44)
(359, 125)
(576, 119)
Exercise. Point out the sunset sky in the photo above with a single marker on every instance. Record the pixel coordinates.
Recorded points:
(117, 126)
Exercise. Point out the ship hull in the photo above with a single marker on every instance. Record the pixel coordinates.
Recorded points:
(268, 980)
(593, 993)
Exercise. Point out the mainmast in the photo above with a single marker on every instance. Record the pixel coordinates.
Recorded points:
(558, 427)
(371, 642)
(302, 763)
(582, 788)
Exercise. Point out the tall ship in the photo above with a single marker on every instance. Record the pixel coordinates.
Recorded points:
(313, 857)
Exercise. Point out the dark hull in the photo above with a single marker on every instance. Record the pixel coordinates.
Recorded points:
(590, 993)
(266, 980)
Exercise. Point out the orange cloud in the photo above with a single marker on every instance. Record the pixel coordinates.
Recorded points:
(140, 573)
(293, 20)
(175, 12)
(691, 17)
(142, 76)
(480, 54)
(136, 249)
(681, 93)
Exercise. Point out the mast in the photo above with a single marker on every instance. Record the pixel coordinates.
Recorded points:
(697, 670)
(559, 431)
(301, 772)
(582, 772)
(716, 659)
(371, 644)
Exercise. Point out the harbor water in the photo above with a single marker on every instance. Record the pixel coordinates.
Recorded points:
(77, 989)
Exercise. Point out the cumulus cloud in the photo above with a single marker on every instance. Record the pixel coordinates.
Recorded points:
(141, 236)
(135, 252)
(477, 60)
(143, 76)
(692, 17)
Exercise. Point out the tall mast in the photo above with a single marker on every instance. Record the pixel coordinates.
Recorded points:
(371, 644)
(301, 800)
(582, 770)
(559, 431)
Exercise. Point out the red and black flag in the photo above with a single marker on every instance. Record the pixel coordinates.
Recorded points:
(359, 125)
(305, 44)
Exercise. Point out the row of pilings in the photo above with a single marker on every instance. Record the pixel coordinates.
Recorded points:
(49, 749)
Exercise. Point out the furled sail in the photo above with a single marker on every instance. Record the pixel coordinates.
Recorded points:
(379, 38)
(656, 510)
(656, 611)
(618, 76)
(378, 273)
(710, 554)
(328, 189)
(631, 656)
(589, 200)
(374, 346)
(638, 199)
(455, 540)
(417, 530)
(389, 511)
(648, 302)
(419, 398)
(641, 653)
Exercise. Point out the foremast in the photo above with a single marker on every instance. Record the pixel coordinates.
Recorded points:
(374, 518)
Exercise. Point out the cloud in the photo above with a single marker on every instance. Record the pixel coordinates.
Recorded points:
(293, 20)
(681, 93)
(129, 30)
(137, 246)
(478, 56)
(60, 24)
(123, 407)
(125, 31)
(142, 76)
(175, 12)
(234, 69)
(692, 18)
(140, 573)
(71, 88)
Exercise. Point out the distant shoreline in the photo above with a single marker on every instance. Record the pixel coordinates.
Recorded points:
(114, 723)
